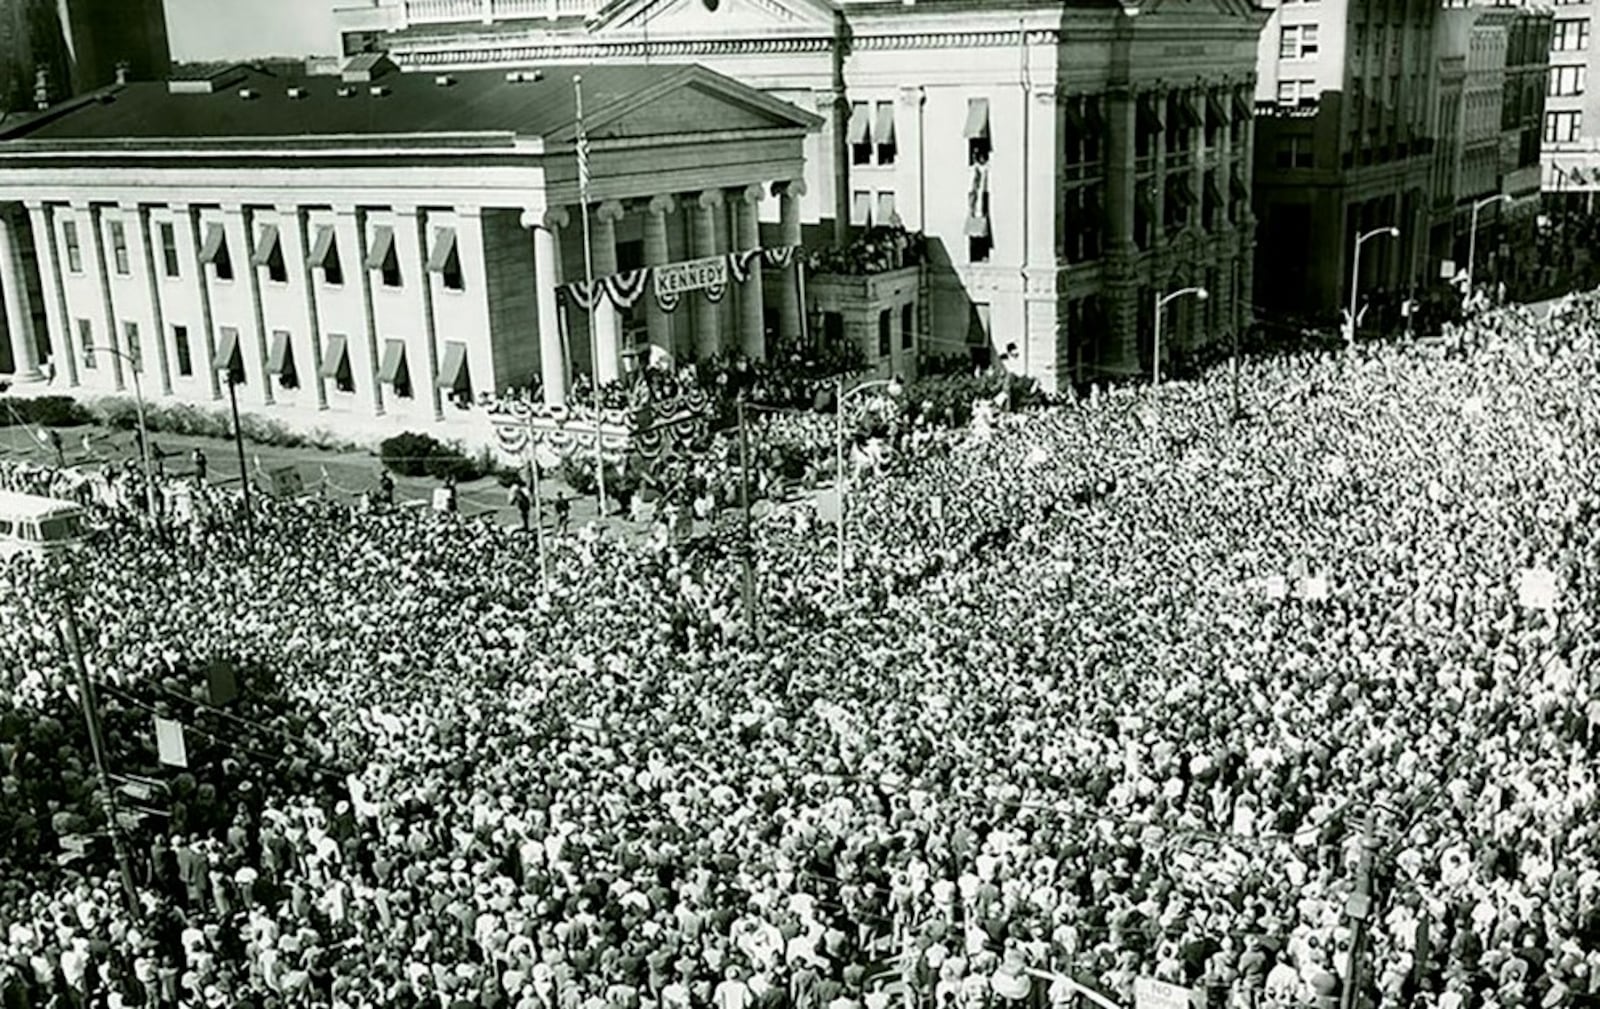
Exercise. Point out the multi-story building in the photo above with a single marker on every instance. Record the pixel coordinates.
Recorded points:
(1527, 82)
(420, 256)
(1571, 148)
(1067, 162)
(1344, 145)
(53, 49)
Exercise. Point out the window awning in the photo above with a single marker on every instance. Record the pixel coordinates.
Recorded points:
(444, 247)
(382, 247)
(1180, 105)
(1149, 115)
(885, 123)
(394, 360)
(335, 358)
(977, 119)
(1243, 107)
(861, 208)
(886, 212)
(1216, 108)
(278, 354)
(266, 245)
(322, 248)
(228, 357)
(216, 238)
(977, 227)
(860, 123)
(453, 370)
(1237, 187)
(1213, 191)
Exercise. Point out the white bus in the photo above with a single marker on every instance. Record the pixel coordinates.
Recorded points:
(39, 525)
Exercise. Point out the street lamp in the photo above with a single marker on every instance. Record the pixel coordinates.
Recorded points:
(840, 395)
(1200, 293)
(1472, 237)
(144, 434)
(1355, 276)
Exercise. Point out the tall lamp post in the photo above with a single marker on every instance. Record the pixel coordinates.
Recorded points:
(1355, 278)
(134, 366)
(1472, 238)
(234, 374)
(840, 395)
(1200, 293)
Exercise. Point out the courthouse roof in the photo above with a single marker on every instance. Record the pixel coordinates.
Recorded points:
(259, 104)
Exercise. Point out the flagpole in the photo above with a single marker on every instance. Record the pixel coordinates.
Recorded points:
(594, 296)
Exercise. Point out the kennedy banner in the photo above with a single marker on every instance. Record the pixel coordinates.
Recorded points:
(692, 275)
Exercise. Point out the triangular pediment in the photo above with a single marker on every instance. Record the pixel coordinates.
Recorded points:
(699, 18)
(693, 100)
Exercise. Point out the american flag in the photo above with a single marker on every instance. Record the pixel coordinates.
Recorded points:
(583, 140)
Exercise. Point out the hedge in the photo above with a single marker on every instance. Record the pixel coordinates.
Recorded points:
(206, 422)
(411, 453)
(44, 411)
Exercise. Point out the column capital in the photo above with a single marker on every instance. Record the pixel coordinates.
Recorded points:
(751, 194)
(610, 212)
(914, 96)
(662, 203)
(129, 206)
(348, 210)
(403, 209)
(33, 205)
(710, 199)
(793, 188)
(290, 209)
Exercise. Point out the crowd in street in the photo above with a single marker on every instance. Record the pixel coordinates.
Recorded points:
(1112, 690)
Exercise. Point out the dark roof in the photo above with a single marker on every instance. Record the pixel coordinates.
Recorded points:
(480, 101)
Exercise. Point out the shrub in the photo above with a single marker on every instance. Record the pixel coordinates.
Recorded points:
(577, 470)
(414, 454)
(45, 411)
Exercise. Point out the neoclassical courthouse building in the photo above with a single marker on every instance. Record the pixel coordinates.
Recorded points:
(379, 236)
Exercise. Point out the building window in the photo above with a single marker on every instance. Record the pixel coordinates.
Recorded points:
(445, 260)
(979, 143)
(280, 359)
(269, 253)
(832, 329)
(980, 239)
(86, 340)
(883, 135)
(336, 363)
(885, 332)
(908, 327)
(1295, 91)
(1562, 127)
(1296, 42)
(69, 235)
(119, 248)
(130, 337)
(381, 256)
(169, 248)
(861, 208)
(215, 252)
(860, 133)
(325, 256)
(1565, 82)
(1570, 35)
(180, 343)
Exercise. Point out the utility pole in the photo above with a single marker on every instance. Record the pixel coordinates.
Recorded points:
(91, 717)
(1359, 910)
(746, 546)
(244, 473)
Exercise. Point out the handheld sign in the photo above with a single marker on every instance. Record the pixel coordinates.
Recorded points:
(1537, 588)
(1277, 587)
(1148, 993)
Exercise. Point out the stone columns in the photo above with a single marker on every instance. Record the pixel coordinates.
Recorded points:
(353, 221)
(139, 216)
(297, 223)
(656, 253)
(546, 277)
(1158, 203)
(1122, 287)
(752, 302)
(186, 219)
(789, 307)
(108, 308)
(55, 295)
(909, 169)
(707, 314)
(607, 323)
(19, 315)
(246, 219)
(410, 219)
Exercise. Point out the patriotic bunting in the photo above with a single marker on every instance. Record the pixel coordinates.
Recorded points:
(624, 289)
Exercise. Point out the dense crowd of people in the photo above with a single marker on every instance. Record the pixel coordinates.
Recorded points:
(1108, 691)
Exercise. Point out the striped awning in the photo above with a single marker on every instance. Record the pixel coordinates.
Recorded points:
(336, 357)
(444, 249)
(266, 245)
(453, 375)
(394, 361)
(382, 247)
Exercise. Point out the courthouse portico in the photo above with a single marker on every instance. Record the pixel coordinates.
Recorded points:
(382, 245)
